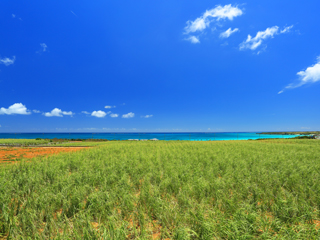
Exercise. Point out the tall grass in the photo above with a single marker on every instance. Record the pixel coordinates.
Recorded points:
(176, 190)
(23, 142)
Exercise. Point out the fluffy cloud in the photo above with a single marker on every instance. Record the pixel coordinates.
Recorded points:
(254, 43)
(220, 12)
(99, 114)
(193, 39)
(217, 13)
(147, 116)
(310, 75)
(36, 111)
(7, 61)
(57, 113)
(114, 115)
(17, 108)
(228, 33)
(128, 115)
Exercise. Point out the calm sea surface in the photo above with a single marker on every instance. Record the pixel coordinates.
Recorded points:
(141, 136)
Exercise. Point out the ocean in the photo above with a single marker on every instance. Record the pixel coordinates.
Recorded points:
(147, 136)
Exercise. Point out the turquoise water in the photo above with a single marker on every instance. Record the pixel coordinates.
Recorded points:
(141, 136)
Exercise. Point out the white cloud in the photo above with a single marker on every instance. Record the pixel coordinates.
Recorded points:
(17, 108)
(254, 43)
(67, 113)
(193, 39)
(109, 106)
(114, 115)
(228, 33)
(36, 111)
(114, 129)
(57, 113)
(128, 115)
(147, 116)
(7, 61)
(44, 47)
(224, 12)
(13, 15)
(99, 114)
(286, 29)
(217, 13)
(310, 75)
(197, 25)
(85, 112)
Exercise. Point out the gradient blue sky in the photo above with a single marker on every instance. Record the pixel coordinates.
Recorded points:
(160, 65)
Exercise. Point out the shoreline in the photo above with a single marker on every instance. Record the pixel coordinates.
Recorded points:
(292, 133)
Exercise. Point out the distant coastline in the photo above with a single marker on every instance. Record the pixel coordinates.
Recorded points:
(149, 136)
(292, 133)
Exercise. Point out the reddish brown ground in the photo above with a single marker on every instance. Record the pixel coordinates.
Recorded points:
(317, 223)
(12, 154)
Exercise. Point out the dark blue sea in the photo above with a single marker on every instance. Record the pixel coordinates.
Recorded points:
(147, 136)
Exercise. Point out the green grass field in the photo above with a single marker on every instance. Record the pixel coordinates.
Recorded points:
(166, 190)
(23, 142)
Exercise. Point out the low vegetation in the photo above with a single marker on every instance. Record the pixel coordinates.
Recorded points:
(266, 189)
(23, 142)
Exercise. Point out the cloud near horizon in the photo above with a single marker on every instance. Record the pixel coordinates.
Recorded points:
(128, 115)
(17, 108)
(114, 115)
(99, 114)
(56, 112)
(253, 43)
(7, 61)
(310, 75)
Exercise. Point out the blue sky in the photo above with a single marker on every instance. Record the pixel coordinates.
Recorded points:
(148, 66)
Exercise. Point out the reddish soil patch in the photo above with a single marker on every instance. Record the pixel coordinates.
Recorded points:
(317, 223)
(9, 154)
